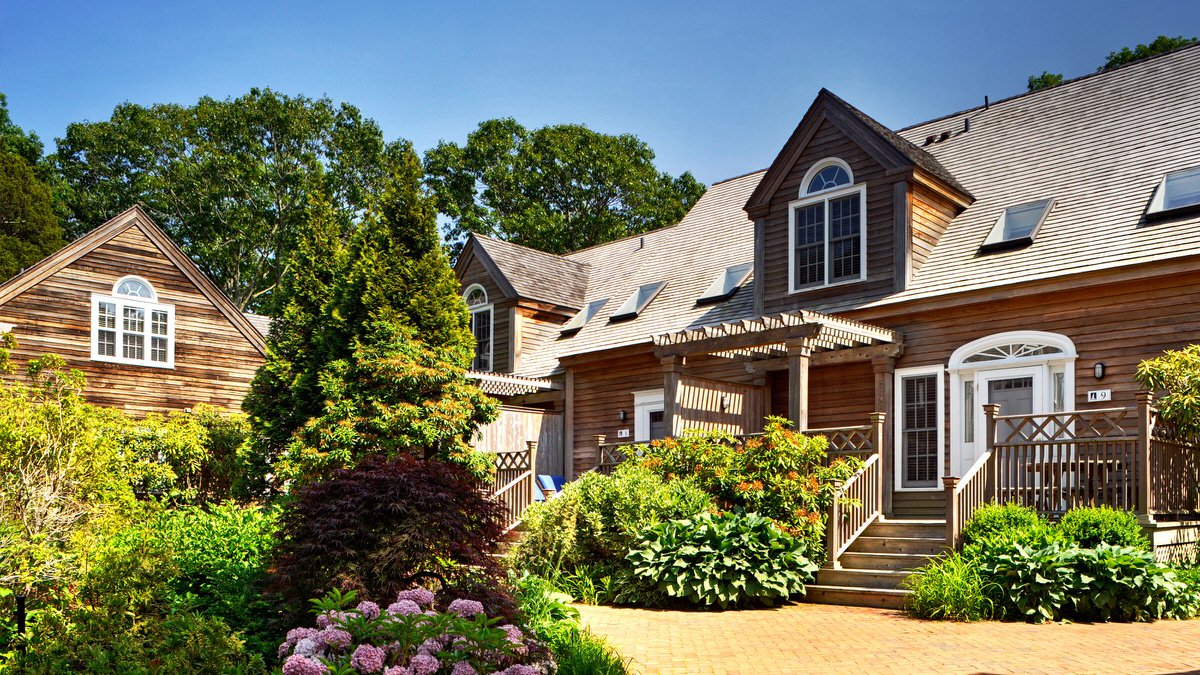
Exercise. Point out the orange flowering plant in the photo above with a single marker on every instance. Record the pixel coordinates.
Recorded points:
(784, 475)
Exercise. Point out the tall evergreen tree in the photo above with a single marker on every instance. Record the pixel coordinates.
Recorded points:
(29, 228)
(370, 353)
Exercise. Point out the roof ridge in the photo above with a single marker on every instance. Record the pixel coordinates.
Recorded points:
(1096, 73)
(505, 242)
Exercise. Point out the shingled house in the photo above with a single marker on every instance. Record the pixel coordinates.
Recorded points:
(127, 307)
(989, 280)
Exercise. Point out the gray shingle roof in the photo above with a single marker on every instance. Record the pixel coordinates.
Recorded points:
(1099, 145)
(538, 275)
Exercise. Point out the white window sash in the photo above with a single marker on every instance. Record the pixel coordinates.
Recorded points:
(827, 197)
(147, 334)
(491, 332)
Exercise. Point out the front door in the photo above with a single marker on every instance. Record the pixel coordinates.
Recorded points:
(658, 425)
(1018, 391)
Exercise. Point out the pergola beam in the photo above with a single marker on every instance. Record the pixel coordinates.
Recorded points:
(722, 340)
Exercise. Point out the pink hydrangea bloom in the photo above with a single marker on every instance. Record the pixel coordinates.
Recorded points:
(431, 646)
(463, 668)
(336, 638)
(398, 670)
(467, 608)
(424, 664)
(368, 659)
(303, 665)
(368, 609)
(403, 608)
(519, 669)
(421, 596)
(515, 635)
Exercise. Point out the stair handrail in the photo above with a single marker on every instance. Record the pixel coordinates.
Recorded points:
(965, 495)
(863, 486)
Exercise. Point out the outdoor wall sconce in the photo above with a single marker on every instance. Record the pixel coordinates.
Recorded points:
(724, 402)
(622, 415)
(1098, 371)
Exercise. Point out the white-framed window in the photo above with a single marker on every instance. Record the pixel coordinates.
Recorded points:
(131, 326)
(648, 421)
(481, 325)
(1177, 190)
(827, 228)
(1017, 226)
(920, 419)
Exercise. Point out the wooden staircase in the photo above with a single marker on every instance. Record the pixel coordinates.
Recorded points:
(872, 568)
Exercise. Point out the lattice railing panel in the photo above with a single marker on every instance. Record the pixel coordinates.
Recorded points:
(1112, 423)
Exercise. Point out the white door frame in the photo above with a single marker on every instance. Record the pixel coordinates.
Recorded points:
(1043, 368)
(898, 425)
(645, 402)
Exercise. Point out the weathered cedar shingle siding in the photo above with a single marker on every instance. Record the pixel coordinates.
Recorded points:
(475, 273)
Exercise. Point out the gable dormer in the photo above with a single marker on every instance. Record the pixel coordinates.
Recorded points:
(518, 298)
(846, 212)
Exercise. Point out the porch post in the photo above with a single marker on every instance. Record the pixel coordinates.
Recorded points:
(798, 354)
(883, 496)
(599, 439)
(1144, 399)
(992, 485)
(531, 448)
(885, 370)
(672, 367)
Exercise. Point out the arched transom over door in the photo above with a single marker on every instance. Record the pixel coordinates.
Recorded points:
(1023, 372)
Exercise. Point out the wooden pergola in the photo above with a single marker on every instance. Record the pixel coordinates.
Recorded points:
(497, 384)
(792, 340)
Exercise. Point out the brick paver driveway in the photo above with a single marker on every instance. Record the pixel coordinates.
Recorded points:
(829, 639)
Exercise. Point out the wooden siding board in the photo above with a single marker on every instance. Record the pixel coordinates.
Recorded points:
(214, 362)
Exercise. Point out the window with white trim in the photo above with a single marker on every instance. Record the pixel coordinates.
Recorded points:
(1177, 191)
(481, 325)
(130, 326)
(827, 230)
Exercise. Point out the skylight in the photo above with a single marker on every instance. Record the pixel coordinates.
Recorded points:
(726, 284)
(637, 301)
(1017, 226)
(1177, 190)
(585, 315)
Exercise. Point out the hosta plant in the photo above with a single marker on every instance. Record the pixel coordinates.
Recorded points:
(1119, 583)
(723, 560)
(1032, 582)
(408, 637)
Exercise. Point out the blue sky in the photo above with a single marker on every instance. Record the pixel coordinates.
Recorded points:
(713, 87)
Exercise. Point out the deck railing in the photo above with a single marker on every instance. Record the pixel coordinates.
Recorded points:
(858, 502)
(1126, 458)
(515, 482)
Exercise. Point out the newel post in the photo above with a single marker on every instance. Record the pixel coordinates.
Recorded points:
(599, 451)
(992, 486)
(953, 527)
(878, 419)
(531, 451)
(833, 528)
(1144, 399)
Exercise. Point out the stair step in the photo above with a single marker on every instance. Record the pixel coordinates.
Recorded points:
(888, 598)
(860, 578)
(897, 562)
(916, 545)
(925, 528)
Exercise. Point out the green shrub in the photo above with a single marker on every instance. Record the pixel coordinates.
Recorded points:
(723, 560)
(585, 653)
(780, 475)
(992, 519)
(1107, 583)
(596, 519)
(552, 621)
(1091, 526)
(950, 587)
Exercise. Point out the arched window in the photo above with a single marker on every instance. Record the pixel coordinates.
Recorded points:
(827, 231)
(481, 325)
(130, 325)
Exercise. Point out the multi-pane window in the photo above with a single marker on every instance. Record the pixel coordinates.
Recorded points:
(130, 326)
(481, 326)
(919, 431)
(827, 230)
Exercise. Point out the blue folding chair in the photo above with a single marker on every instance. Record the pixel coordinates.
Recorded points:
(551, 485)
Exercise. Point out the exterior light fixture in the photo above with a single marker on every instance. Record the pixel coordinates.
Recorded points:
(1098, 371)
(724, 402)
(622, 415)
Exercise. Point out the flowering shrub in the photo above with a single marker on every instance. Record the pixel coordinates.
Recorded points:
(409, 637)
(781, 475)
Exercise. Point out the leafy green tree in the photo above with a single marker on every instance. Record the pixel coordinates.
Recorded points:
(29, 228)
(558, 188)
(1175, 376)
(228, 179)
(14, 139)
(1044, 81)
(370, 352)
(1161, 45)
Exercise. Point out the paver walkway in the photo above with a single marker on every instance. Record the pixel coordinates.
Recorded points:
(829, 639)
